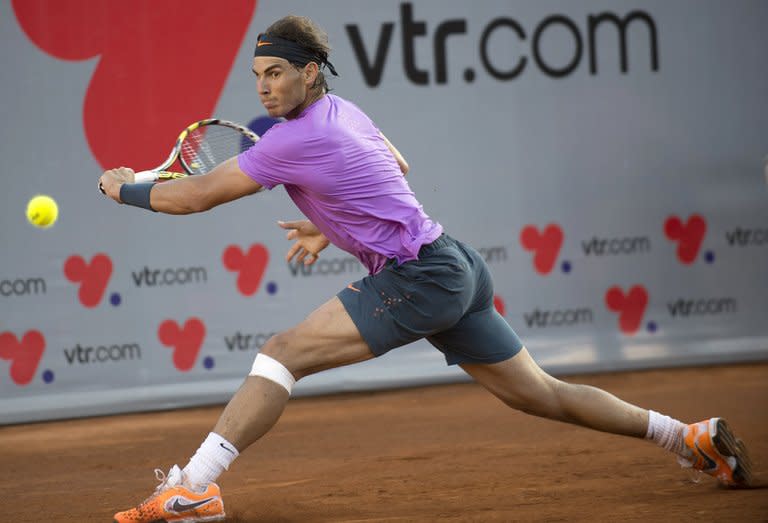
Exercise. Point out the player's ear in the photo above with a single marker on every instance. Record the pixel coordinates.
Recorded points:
(311, 71)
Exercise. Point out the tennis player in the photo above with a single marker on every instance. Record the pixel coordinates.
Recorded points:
(348, 180)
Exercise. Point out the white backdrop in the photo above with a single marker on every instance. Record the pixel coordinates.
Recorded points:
(622, 210)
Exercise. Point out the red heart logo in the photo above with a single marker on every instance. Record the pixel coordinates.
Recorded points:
(689, 236)
(144, 49)
(185, 341)
(250, 266)
(545, 246)
(92, 277)
(25, 355)
(630, 306)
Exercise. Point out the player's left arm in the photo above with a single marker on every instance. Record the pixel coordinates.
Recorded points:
(399, 157)
(308, 241)
(191, 194)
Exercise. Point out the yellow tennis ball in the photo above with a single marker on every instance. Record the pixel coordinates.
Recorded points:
(42, 211)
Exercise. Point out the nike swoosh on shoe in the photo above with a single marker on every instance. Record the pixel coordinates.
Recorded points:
(183, 507)
(711, 464)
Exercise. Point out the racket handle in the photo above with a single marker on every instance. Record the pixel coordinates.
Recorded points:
(144, 176)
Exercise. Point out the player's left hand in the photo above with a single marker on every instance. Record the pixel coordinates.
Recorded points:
(309, 241)
(111, 180)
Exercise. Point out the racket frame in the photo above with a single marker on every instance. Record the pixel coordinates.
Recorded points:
(161, 173)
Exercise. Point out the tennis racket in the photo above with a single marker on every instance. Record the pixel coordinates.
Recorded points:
(201, 147)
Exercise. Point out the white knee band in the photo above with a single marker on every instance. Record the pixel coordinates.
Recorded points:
(272, 370)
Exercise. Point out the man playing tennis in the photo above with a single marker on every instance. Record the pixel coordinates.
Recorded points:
(348, 180)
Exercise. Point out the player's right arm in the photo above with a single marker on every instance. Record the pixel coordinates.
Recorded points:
(191, 194)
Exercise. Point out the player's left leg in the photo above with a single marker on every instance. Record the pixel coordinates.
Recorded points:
(327, 338)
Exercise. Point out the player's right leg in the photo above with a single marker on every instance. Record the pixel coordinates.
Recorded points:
(523, 385)
(484, 344)
(708, 446)
(326, 339)
(712, 447)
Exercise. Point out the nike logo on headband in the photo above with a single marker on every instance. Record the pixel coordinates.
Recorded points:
(292, 51)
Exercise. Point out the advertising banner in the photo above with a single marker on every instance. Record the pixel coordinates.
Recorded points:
(607, 159)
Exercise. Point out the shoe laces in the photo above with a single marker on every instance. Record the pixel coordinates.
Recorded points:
(166, 481)
(162, 478)
(685, 460)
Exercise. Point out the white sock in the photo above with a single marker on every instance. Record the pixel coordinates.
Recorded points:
(213, 457)
(666, 432)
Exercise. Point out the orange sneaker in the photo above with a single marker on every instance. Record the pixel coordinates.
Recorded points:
(712, 448)
(173, 502)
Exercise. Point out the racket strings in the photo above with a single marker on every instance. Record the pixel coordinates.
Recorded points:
(209, 145)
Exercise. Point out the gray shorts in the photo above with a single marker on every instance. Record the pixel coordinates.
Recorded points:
(446, 296)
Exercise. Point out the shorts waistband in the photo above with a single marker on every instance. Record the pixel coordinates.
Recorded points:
(438, 243)
(441, 241)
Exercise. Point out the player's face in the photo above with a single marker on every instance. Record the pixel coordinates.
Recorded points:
(283, 89)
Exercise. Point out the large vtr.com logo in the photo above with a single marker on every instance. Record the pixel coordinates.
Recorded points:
(501, 60)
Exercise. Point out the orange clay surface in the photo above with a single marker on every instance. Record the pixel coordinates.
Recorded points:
(441, 453)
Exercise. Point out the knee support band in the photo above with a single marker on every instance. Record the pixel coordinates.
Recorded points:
(272, 370)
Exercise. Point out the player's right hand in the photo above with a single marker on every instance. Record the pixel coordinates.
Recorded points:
(111, 180)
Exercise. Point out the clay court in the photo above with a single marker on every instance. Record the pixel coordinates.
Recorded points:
(440, 453)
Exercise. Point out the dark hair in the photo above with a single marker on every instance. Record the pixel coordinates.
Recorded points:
(307, 34)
